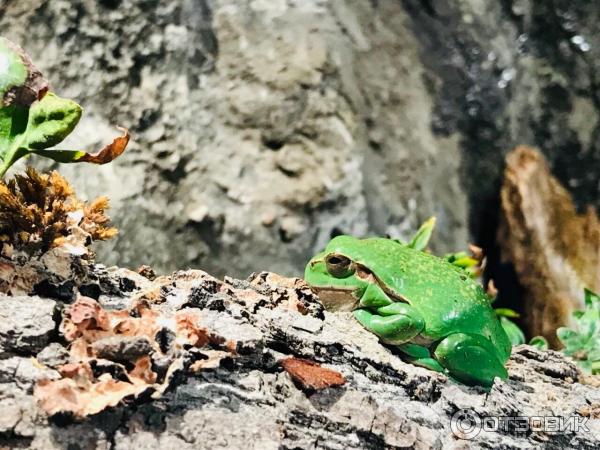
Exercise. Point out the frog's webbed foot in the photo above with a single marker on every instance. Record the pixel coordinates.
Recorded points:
(396, 323)
(470, 358)
(420, 356)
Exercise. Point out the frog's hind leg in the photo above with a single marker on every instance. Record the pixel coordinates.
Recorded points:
(470, 358)
(394, 324)
(420, 356)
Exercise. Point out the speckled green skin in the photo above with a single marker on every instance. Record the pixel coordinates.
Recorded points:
(444, 320)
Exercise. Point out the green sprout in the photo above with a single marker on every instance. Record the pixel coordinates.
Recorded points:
(582, 342)
(512, 330)
(423, 235)
(32, 118)
(467, 262)
(539, 342)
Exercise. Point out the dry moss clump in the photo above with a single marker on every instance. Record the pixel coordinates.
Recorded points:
(40, 211)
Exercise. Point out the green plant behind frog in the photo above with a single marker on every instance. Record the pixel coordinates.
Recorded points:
(582, 342)
(32, 119)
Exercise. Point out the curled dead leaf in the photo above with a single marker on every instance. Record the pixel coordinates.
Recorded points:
(310, 375)
(85, 314)
(66, 396)
(74, 370)
(143, 325)
(491, 289)
(187, 329)
(142, 371)
(476, 252)
(110, 151)
(123, 347)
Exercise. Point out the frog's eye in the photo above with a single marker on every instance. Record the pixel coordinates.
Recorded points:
(339, 266)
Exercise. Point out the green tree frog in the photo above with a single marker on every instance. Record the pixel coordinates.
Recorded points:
(437, 315)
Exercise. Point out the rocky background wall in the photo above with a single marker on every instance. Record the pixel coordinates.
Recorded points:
(261, 128)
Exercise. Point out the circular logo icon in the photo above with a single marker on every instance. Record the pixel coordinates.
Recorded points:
(465, 424)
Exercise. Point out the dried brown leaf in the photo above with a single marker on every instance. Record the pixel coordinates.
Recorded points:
(65, 396)
(491, 290)
(188, 330)
(109, 152)
(85, 323)
(310, 375)
(80, 373)
(142, 371)
(476, 252)
(85, 314)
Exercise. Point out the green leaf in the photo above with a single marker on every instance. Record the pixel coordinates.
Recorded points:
(21, 83)
(50, 121)
(451, 257)
(32, 119)
(30, 130)
(62, 156)
(585, 365)
(13, 122)
(465, 262)
(583, 340)
(587, 324)
(565, 334)
(506, 312)
(593, 352)
(514, 333)
(13, 72)
(590, 297)
(423, 235)
(539, 342)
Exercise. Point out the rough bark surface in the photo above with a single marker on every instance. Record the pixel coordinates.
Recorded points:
(555, 250)
(263, 127)
(259, 379)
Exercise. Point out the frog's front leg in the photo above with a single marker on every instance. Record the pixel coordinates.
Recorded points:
(374, 297)
(395, 324)
(470, 358)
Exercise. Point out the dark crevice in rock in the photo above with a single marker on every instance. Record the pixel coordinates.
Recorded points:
(61, 291)
(9, 440)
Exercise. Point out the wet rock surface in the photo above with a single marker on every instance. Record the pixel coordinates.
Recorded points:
(367, 117)
(218, 375)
